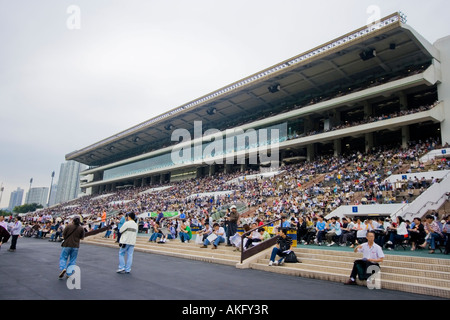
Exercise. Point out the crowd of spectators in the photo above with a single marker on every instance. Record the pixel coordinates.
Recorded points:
(305, 190)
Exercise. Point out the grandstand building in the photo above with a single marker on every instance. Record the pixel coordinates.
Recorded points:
(380, 85)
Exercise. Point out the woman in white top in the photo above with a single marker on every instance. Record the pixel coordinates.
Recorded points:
(400, 232)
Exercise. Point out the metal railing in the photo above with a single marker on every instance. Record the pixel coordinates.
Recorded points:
(437, 192)
(247, 253)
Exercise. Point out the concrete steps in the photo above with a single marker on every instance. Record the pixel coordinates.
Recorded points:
(427, 276)
(221, 255)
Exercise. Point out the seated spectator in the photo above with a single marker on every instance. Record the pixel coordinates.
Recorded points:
(320, 230)
(397, 233)
(109, 230)
(433, 232)
(417, 233)
(185, 232)
(58, 232)
(301, 229)
(282, 248)
(219, 233)
(372, 255)
(157, 233)
(172, 231)
(311, 230)
(361, 232)
(346, 228)
(333, 231)
(380, 232)
(205, 232)
(256, 236)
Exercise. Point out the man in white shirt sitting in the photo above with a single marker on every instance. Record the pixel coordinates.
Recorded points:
(218, 234)
(372, 255)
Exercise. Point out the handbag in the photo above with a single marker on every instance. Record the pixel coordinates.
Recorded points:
(68, 236)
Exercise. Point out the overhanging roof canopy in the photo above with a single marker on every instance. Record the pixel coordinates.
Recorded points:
(385, 47)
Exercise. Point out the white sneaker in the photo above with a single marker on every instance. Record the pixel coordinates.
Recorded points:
(281, 262)
(330, 244)
(270, 263)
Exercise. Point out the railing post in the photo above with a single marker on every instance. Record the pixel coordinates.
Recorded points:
(261, 246)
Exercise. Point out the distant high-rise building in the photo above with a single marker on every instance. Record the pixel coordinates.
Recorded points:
(68, 181)
(37, 195)
(52, 195)
(15, 199)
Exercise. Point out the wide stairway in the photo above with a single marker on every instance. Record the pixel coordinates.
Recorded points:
(427, 276)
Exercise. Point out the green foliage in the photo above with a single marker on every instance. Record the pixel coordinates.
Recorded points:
(4, 213)
(28, 207)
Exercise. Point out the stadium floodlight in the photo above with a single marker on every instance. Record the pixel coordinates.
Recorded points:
(403, 17)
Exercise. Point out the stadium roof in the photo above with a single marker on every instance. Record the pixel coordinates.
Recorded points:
(387, 46)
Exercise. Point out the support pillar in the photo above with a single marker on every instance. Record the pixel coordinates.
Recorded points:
(405, 137)
(369, 141)
(337, 147)
(443, 45)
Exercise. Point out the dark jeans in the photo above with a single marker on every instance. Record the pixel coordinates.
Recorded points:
(275, 252)
(364, 264)
(320, 236)
(14, 242)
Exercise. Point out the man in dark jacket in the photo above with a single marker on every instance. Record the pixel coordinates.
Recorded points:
(283, 247)
(232, 224)
(72, 235)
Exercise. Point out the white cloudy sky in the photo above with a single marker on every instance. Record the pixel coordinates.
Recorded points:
(63, 89)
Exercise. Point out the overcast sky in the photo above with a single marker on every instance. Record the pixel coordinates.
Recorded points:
(71, 78)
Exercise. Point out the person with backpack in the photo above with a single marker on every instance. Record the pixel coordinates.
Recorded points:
(282, 249)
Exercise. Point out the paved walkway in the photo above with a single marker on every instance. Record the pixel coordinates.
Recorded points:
(32, 273)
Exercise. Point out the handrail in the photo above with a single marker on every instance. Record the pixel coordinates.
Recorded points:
(406, 209)
(245, 254)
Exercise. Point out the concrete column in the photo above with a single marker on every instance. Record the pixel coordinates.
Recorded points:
(369, 141)
(403, 101)
(337, 147)
(336, 118)
(212, 170)
(310, 152)
(405, 136)
(308, 124)
(443, 45)
(368, 110)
